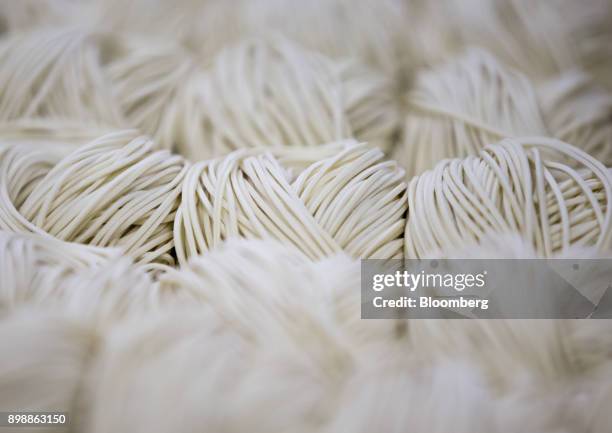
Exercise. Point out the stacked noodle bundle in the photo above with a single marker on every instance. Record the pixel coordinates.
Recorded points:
(206, 276)
(119, 191)
(110, 192)
(519, 186)
(332, 205)
(460, 107)
(21, 168)
(456, 109)
(260, 93)
(294, 97)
